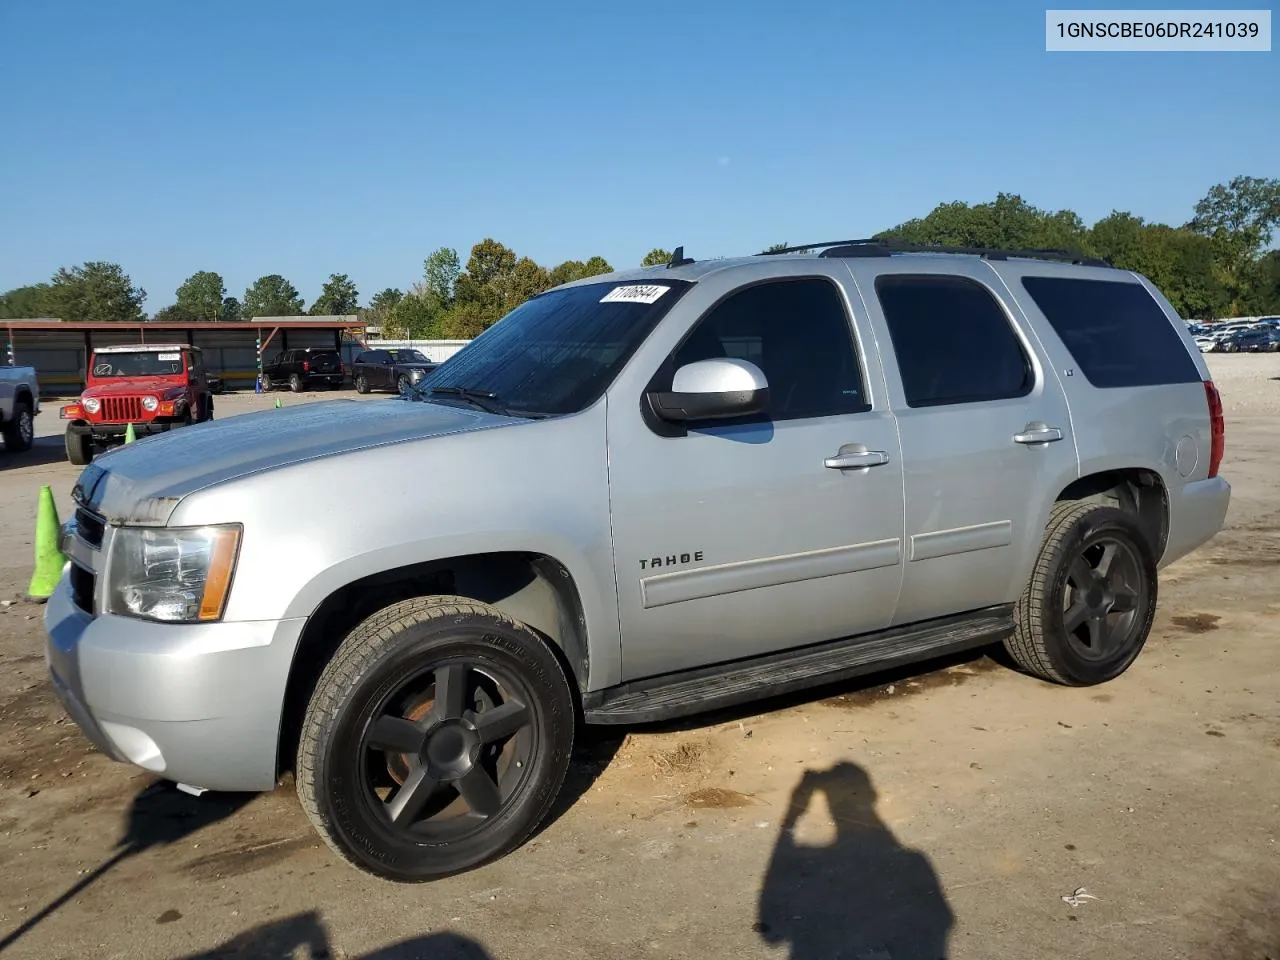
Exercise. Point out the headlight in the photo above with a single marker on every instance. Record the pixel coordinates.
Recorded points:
(91, 404)
(177, 575)
(150, 403)
(417, 373)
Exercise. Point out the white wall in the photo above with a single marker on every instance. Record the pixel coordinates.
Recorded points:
(437, 351)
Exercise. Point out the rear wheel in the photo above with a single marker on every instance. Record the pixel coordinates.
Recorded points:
(1087, 611)
(79, 447)
(296, 383)
(20, 431)
(436, 739)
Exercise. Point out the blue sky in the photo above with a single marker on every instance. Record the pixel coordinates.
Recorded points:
(306, 138)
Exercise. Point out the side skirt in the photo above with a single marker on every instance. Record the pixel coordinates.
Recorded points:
(740, 681)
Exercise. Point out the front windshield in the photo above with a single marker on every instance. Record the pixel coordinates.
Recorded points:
(408, 356)
(142, 363)
(558, 352)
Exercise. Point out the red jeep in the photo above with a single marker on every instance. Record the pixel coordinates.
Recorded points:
(155, 387)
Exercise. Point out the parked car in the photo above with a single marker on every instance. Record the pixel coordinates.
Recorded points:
(637, 497)
(1252, 340)
(153, 387)
(397, 369)
(304, 368)
(19, 405)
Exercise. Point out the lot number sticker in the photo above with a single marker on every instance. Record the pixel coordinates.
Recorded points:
(635, 293)
(170, 356)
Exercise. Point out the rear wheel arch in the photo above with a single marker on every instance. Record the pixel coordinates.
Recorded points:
(1135, 490)
(534, 589)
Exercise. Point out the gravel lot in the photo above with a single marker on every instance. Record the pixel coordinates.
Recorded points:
(946, 810)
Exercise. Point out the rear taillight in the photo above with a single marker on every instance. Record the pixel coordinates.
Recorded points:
(1217, 427)
(306, 366)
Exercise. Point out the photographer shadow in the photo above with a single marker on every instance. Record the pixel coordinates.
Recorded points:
(860, 894)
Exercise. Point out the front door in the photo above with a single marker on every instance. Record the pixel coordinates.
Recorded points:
(738, 539)
(986, 434)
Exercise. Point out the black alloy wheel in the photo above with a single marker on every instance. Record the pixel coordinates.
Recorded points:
(436, 740)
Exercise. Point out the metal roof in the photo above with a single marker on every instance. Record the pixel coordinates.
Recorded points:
(265, 323)
(144, 347)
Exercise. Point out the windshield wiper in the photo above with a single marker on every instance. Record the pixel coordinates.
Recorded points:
(483, 399)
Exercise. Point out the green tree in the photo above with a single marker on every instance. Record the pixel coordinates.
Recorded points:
(1264, 285)
(174, 313)
(1008, 223)
(656, 257)
(412, 318)
(95, 291)
(527, 280)
(566, 272)
(231, 311)
(466, 321)
(440, 272)
(775, 247)
(271, 296)
(200, 295)
(1240, 218)
(338, 297)
(25, 302)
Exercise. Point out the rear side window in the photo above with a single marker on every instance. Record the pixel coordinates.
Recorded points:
(1115, 331)
(952, 340)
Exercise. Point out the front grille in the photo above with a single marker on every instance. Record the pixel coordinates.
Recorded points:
(91, 528)
(82, 581)
(122, 408)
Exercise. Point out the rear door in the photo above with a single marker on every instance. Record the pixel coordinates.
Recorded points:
(986, 437)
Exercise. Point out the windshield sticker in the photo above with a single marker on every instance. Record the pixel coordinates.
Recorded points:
(170, 356)
(635, 293)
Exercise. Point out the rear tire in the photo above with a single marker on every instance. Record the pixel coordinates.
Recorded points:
(462, 715)
(296, 383)
(1087, 610)
(20, 432)
(79, 447)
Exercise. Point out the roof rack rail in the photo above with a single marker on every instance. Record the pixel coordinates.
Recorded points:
(887, 246)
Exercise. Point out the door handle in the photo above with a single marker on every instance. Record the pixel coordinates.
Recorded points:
(850, 461)
(1037, 433)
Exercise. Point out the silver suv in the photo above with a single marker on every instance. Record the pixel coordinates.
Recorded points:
(637, 496)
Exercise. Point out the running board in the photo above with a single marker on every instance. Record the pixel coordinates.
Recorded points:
(727, 684)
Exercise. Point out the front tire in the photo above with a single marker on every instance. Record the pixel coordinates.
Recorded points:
(362, 385)
(436, 740)
(20, 432)
(296, 383)
(402, 384)
(1087, 610)
(79, 447)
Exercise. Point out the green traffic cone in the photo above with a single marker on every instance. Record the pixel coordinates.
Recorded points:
(129, 435)
(49, 559)
(278, 403)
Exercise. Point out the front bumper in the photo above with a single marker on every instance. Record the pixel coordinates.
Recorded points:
(115, 431)
(195, 703)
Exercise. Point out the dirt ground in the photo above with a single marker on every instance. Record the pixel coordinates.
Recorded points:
(952, 810)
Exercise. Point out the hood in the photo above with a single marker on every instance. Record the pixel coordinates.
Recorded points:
(133, 386)
(143, 482)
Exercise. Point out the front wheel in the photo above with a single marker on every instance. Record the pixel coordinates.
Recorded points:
(296, 383)
(362, 385)
(79, 447)
(436, 740)
(402, 384)
(20, 431)
(1086, 613)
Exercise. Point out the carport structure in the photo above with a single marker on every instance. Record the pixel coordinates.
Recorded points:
(233, 350)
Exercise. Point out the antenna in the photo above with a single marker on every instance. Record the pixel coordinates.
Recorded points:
(678, 259)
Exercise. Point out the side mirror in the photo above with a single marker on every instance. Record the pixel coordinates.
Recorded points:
(717, 389)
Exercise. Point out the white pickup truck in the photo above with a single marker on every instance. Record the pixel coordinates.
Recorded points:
(19, 404)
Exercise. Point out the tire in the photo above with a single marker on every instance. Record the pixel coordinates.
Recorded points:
(296, 383)
(389, 667)
(20, 430)
(402, 384)
(79, 447)
(1077, 540)
(362, 385)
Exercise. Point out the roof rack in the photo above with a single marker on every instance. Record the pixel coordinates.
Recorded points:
(678, 259)
(887, 246)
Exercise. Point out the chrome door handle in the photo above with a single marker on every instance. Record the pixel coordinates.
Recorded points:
(850, 461)
(1037, 433)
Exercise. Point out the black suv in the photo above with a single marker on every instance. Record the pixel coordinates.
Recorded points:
(390, 369)
(304, 368)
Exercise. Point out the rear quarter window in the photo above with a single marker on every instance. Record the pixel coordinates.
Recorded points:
(1115, 331)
